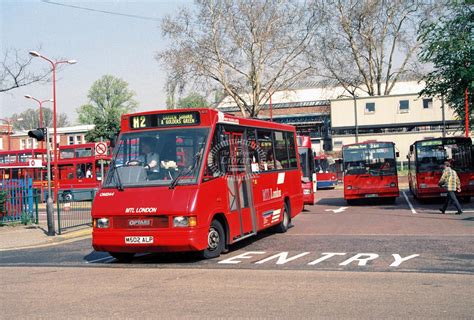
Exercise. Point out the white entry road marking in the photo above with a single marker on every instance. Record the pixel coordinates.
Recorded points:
(341, 209)
(409, 203)
(281, 258)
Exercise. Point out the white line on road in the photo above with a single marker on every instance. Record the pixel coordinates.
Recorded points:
(409, 203)
(97, 260)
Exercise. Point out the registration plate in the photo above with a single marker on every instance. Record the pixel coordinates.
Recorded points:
(136, 239)
(444, 194)
(371, 195)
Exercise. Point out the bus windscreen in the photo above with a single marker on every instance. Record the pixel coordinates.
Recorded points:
(430, 155)
(377, 159)
(157, 157)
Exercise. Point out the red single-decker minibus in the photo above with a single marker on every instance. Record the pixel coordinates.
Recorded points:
(425, 166)
(307, 167)
(195, 180)
(370, 171)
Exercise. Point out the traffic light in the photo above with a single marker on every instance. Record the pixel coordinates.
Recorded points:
(39, 134)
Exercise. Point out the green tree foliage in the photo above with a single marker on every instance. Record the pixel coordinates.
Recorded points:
(109, 98)
(193, 100)
(448, 44)
(31, 119)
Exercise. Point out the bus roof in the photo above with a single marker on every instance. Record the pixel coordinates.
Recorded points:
(367, 142)
(445, 140)
(303, 141)
(191, 117)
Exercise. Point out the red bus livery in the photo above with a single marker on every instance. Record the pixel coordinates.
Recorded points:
(370, 171)
(326, 176)
(80, 169)
(214, 179)
(307, 168)
(425, 166)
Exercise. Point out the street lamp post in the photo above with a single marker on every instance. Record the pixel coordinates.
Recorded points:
(10, 129)
(53, 66)
(40, 103)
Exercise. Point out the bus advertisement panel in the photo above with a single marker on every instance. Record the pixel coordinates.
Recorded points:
(325, 171)
(425, 166)
(370, 171)
(195, 180)
(308, 179)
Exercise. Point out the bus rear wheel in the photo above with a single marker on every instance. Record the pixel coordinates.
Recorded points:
(215, 241)
(284, 224)
(123, 256)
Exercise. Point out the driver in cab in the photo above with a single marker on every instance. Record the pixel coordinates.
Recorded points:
(149, 158)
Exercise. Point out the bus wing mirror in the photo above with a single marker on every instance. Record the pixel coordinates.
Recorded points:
(113, 141)
(397, 154)
(408, 156)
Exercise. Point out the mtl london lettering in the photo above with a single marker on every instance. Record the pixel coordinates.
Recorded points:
(141, 210)
(268, 194)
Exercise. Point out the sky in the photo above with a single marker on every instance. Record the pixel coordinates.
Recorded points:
(122, 46)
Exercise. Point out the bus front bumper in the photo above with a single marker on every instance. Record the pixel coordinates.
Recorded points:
(171, 240)
(370, 193)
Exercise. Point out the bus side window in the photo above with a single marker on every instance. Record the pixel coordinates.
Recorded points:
(281, 154)
(265, 143)
(290, 142)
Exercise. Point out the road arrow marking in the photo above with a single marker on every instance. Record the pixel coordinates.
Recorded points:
(341, 209)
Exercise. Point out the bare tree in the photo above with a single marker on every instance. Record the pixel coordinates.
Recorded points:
(369, 44)
(14, 71)
(248, 48)
(30, 119)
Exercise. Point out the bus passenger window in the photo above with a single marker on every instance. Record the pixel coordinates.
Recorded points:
(281, 154)
(266, 146)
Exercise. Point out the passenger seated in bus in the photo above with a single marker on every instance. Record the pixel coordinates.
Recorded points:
(89, 172)
(272, 163)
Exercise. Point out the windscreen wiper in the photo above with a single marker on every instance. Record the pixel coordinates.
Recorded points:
(179, 176)
(118, 181)
(196, 159)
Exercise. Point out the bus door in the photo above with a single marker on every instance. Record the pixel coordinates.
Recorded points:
(239, 184)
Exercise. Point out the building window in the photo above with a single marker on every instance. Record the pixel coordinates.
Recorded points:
(70, 140)
(404, 106)
(427, 103)
(370, 107)
(23, 144)
(78, 139)
(337, 144)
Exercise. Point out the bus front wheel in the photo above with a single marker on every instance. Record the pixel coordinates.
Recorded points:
(123, 256)
(215, 241)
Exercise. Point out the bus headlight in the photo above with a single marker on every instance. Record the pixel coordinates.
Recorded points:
(306, 191)
(101, 223)
(471, 182)
(349, 187)
(393, 185)
(423, 185)
(184, 222)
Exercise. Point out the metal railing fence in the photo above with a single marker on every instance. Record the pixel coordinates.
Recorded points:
(74, 209)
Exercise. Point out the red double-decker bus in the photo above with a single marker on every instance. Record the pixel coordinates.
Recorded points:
(325, 171)
(370, 171)
(425, 166)
(307, 167)
(80, 169)
(214, 179)
(28, 163)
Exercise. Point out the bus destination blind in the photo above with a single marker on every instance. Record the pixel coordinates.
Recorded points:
(165, 120)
